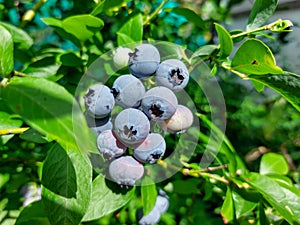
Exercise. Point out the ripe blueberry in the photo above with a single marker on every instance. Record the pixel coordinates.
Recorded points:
(180, 121)
(109, 146)
(151, 149)
(99, 101)
(126, 170)
(159, 103)
(128, 91)
(121, 57)
(143, 62)
(173, 74)
(131, 126)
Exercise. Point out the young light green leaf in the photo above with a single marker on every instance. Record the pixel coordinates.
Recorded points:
(82, 26)
(8, 121)
(261, 11)
(255, 57)
(286, 84)
(273, 163)
(149, 194)
(19, 36)
(286, 202)
(6, 52)
(226, 43)
(132, 29)
(66, 180)
(227, 210)
(51, 110)
(106, 198)
(33, 214)
(106, 6)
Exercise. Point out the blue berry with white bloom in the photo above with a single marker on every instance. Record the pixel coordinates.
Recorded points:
(99, 101)
(128, 91)
(126, 170)
(151, 150)
(144, 60)
(173, 74)
(131, 127)
(159, 103)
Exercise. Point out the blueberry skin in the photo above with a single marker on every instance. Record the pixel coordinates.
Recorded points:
(180, 121)
(144, 61)
(128, 91)
(173, 74)
(151, 149)
(131, 127)
(109, 146)
(126, 170)
(99, 101)
(121, 57)
(159, 103)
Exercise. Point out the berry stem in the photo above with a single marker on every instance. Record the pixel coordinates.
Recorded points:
(156, 12)
(13, 131)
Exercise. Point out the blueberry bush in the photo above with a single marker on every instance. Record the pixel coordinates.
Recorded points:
(88, 135)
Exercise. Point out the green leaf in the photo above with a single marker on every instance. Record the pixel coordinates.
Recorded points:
(255, 57)
(58, 27)
(262, 218)
(283, 200)
(241, 205)
(149, 193)
(261, 11)
(33, 214)
(258, 86)
(131, 31)
(51, 110)
(190, 15)
(226, 43)
(33, 136)
(66, 180)
(70, 59)
(8, 121)
(286, 84)
(82, 26)
(205, 50)
(187, 187)
(106, 197)
(19, 36)
(6, 52)
(228, 210)
(273, 163)
(106, 5)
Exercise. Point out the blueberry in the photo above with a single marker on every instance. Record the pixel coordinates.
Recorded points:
(160, 207)
(126, 170)
(121, 57)
(143, 62)
(109, 146)
(151, 149)
(159, 103)
(162, 202)
(180, 121)
(173, 74)
(131, 126)
(128, 91)
(151, 218)
(99, 101)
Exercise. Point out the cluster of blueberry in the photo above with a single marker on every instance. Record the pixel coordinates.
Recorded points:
(140, 107)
